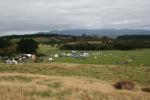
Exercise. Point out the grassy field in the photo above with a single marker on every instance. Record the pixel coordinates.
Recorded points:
(71, 82)
(68, 78)
(114, 57)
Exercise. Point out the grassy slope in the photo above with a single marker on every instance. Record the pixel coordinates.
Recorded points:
(110, 73)
(41, 87)
(71, 82)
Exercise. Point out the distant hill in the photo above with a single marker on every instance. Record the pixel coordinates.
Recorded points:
(112, 33)
(101, 32)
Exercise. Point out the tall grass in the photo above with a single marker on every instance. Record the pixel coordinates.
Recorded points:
(111, 73)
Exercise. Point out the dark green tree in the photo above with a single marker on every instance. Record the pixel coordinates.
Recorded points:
(27, 46)
(5, 47)
(4, 43)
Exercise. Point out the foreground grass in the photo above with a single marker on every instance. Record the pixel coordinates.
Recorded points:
(16, 78)
(110, 73)
(43, 87)
(59, 81)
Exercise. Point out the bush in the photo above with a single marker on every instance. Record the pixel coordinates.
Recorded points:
(146, 89)
(128, 85)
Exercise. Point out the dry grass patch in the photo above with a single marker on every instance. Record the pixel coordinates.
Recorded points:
(44, 87)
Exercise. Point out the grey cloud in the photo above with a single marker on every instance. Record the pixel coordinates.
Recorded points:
(45, 15)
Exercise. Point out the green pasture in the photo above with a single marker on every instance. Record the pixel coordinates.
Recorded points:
(113, 57)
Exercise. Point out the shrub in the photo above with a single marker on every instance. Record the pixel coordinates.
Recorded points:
(128, 85)
(146, 89)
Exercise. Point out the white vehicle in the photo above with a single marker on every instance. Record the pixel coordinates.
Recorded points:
(27, 55)
(68, 54)
(11, 62)
(14, 61)
(50, 59)
(56, 55)
(8, 62)
(73, 51)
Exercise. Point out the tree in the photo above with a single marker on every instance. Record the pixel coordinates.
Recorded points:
(6, 47)
(27, 46)
(4, 43)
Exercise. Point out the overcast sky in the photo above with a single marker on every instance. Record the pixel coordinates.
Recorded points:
(25, 16)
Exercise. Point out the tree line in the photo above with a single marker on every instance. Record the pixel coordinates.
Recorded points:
(27, 44)
(115, 44)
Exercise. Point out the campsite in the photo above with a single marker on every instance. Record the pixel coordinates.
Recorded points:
(105, 57)
(53, 73)
(74, 49)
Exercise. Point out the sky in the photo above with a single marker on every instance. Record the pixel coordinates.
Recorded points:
(29, 16)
